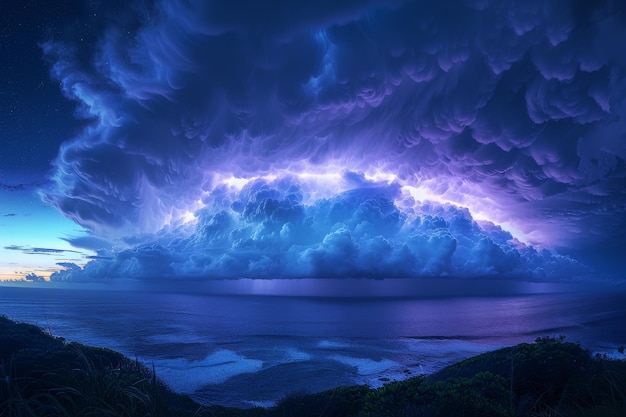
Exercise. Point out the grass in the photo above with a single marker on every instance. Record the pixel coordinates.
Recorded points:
(42, 375)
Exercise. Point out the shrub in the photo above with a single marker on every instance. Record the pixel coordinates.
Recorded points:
(338, 402)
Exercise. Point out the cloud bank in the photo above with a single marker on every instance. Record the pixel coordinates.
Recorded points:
(512, 109)
(265, 230)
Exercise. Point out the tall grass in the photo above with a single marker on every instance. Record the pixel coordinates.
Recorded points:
(44, 376)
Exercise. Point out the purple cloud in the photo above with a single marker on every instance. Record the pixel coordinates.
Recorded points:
(268, 232)
(516, 107)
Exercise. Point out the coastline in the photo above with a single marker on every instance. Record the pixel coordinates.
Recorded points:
(551, 364)
(207, 345)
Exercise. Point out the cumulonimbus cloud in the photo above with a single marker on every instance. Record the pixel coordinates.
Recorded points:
(512, 108)
(266, 230)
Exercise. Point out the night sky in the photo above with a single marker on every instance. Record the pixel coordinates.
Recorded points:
(284, 139)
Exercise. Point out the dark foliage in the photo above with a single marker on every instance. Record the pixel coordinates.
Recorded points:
(44, 376)
(338, 402)
(547, 378)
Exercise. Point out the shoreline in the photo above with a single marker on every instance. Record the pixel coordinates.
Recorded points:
(185, 335)
(30, 351)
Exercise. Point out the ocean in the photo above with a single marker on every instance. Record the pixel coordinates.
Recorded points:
(252, 348)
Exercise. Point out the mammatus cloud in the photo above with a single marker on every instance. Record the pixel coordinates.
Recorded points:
(513, 109)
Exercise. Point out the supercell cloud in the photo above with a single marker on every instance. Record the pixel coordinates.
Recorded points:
(267, 230)
(380, 138)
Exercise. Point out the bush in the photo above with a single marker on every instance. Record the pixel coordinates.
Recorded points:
(338, 402)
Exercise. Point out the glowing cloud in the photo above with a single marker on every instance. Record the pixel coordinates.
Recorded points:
(265, 229)
(258, 120)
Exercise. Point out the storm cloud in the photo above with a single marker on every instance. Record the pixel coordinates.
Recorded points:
(504, 110)
(265, 230)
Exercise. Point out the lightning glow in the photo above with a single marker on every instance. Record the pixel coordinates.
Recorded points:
(318, 183)
(393, 139)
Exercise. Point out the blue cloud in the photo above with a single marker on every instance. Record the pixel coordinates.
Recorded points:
(88, 242)
(269, 233)
(28, 250)
(519, 103)
(34, 278)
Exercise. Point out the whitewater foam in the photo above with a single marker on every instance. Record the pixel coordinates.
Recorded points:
(296, 355)
(332, 344)
(188, 376)
(366, 366)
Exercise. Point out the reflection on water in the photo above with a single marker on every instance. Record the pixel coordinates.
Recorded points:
(211, 345)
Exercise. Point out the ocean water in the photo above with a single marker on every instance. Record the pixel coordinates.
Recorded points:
(243, 350)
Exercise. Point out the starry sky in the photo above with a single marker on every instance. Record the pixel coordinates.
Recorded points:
(385, 138)
(35, 118)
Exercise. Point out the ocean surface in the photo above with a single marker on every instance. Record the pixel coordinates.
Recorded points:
(248, 349)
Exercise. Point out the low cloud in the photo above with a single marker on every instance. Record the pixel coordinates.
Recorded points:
(34, 277)
(28, 250)
(266, 230)
(91, 243)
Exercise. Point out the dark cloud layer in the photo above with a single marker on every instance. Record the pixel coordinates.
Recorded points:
(29, 250)
(515, 106)
(34, 278)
